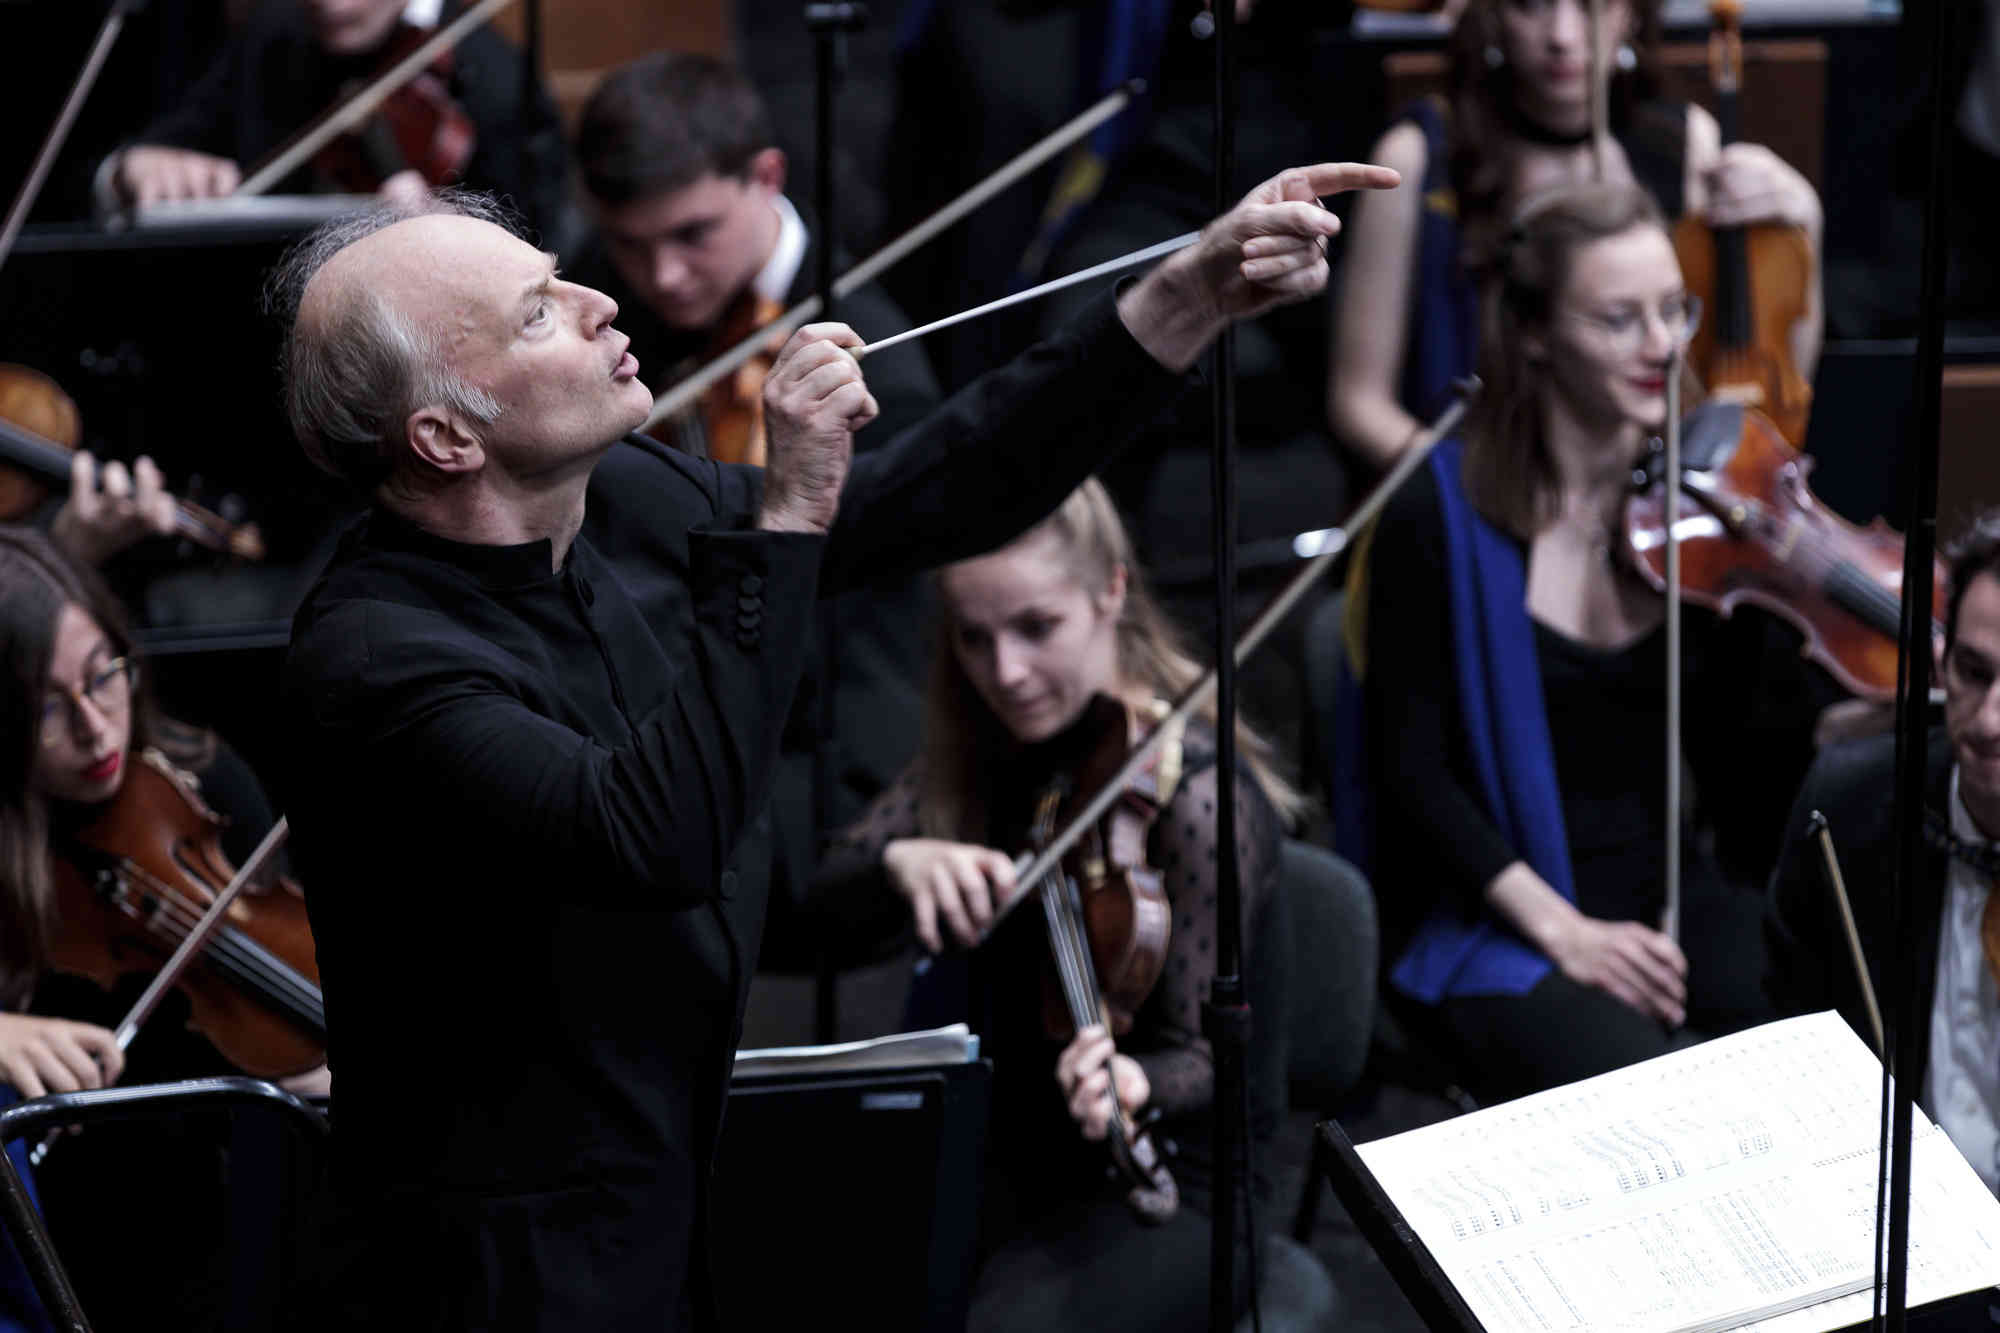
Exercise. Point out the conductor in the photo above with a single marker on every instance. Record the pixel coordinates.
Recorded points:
(534, 704)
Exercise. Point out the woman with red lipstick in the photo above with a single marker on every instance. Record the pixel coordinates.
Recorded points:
(1033, 633)
(1517, 121)
(74, 717)
(1514, 822)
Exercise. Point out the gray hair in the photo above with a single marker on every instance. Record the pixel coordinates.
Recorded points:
(352, 380)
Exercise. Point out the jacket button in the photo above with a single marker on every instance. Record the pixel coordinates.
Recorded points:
(746, 638)
(727, 886)
(749, 620)
(752, 584)
(749, 602)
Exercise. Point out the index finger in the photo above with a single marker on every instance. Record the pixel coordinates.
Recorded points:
(836, 333)
(1327, 178)
(1663, 948)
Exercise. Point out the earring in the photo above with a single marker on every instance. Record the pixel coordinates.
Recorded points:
(1495, 57)
(1627, 59)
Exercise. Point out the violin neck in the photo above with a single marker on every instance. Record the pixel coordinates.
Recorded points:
(1735, 327)
(43, 459)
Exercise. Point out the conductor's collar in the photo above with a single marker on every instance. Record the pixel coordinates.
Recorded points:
(516, 566)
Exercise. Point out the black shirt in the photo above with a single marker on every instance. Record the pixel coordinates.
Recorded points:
(518, 794)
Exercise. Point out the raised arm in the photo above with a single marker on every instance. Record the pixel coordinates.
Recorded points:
(1372, 315)
(1005, 450)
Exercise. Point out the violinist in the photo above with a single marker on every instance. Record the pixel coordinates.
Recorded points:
(697, 242)
(550, 667)
(1514, 679)
(293, 60)
(695, 237)
(1958, 963)
(1517, 121)
(78, 716)
(1032, 635)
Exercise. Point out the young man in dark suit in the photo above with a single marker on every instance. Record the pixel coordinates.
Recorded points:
(1810, 964)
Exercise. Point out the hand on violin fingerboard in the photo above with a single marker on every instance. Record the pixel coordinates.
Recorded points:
(153, 174)
(953, 881)
(1087, 1068)
(814, 400)
(1749, 183)
(111, 508)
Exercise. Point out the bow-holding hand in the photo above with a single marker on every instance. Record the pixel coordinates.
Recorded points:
(1269, 250)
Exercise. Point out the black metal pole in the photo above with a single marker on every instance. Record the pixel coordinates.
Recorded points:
(828, 23)
(1226, 1018)
(526, 146)
(1919, 553)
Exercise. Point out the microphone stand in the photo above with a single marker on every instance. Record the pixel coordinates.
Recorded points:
(527, 150)
(1919, 547)
(829, 23)
(45, 160)
(1226, 1018)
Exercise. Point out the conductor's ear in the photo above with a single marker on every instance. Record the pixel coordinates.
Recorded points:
(440, 441)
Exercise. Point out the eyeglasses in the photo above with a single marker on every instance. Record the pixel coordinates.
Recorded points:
(109, 691)
(1624, 328)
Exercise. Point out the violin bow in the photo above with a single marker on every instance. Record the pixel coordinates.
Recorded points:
(347, 115)
(682, 394)
(38, 175)
(1670, 916)
(184, 955)
(1817, 828)
(1030, 870)
(1600, 97)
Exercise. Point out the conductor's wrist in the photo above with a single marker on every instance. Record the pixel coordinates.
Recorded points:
(1170, 312)
(782, 515)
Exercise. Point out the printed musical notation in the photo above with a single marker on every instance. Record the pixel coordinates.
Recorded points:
(1728, 1183)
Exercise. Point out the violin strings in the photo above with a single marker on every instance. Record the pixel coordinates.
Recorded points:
(234, 952)
(1063, 947)
(1854, 585)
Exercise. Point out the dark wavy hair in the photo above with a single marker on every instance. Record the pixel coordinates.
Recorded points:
(666, 120)
(37, 580)
(1482, 100)
(1974, 552)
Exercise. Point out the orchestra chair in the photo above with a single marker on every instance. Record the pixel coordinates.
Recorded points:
(1404, 1049)
(1309, 1018)
(34, 1120)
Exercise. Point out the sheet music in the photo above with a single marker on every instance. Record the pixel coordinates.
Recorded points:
(953, 1044)
(1730, 1182)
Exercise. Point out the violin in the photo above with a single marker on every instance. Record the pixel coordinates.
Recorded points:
(430, 133)
(417, 127)
(1751, 530)
(726, 421)
(1109, 923)
(40, 428)
(132, 883)
(1754, 281)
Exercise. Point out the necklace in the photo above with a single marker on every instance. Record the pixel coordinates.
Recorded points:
(1524, 126)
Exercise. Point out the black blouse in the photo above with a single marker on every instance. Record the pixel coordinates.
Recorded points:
(1005, 974)
(1748, 708)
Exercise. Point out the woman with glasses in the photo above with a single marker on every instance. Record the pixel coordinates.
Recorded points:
(1517, 121)
(1514, 676)
(75, 717)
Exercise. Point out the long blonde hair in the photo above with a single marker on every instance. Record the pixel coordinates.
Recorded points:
(962, 738)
